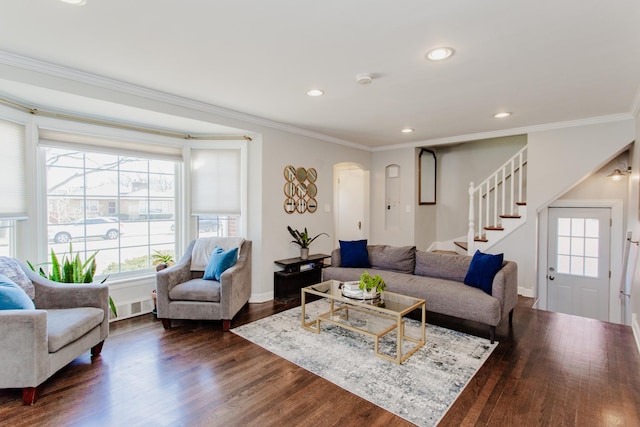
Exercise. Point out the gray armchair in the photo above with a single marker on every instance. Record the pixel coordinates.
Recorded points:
(69, 319)
(183, 294)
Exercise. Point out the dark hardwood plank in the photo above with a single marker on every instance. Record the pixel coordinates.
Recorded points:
(548, 369)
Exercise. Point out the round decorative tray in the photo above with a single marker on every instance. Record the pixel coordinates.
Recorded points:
(359, 295)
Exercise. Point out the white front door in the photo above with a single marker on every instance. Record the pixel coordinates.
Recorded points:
(578, 261)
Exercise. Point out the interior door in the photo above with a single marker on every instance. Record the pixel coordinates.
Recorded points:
(578, 261)
(351, 204)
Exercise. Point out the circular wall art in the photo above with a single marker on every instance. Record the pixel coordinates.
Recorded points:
(300, 189)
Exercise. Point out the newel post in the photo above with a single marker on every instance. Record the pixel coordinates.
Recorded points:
(470, 233)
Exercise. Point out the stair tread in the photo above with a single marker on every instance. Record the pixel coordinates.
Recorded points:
(480, 239)
(510, 216)
(521, 203)
(462, 245)
(494, 228)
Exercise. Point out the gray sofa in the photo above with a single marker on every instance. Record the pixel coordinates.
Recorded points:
(438, 278)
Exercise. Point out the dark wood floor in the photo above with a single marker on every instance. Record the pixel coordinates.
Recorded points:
(549, 369)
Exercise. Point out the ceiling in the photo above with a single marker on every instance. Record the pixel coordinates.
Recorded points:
(545, 61)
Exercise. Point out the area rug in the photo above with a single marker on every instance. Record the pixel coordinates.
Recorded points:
(420, 390)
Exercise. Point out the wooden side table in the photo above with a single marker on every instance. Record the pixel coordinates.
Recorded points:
(296, 274)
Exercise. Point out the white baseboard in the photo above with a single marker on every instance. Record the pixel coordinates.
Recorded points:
(526, 292)
(635, 327)
(261, 297)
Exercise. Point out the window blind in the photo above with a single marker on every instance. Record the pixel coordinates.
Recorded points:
(215, 181)
(12, 171)
(73, 141)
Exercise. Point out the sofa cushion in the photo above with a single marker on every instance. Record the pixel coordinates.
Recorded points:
(12, 269)
(196, 290)
(482, 270)
(12, 296)
(66, 325)
(442, 265)
(353, 253)
(401, 259)
(220, 261)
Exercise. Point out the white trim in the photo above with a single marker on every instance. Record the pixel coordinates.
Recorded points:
(35, 65)
(526, 292)
(508, 132)
(615, 251)
(18, 61)
(261, 297)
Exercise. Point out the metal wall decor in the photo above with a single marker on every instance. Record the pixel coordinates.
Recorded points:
(300, 190)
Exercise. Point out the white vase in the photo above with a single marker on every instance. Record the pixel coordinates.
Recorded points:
(304, 253)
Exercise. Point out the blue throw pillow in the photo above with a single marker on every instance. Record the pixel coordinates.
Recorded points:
(482, 270)
(220, 261)
(353, 253)
(13, 297)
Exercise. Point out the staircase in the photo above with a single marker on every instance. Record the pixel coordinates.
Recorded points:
(497, 206)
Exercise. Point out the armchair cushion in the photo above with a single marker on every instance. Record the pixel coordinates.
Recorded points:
(196, 290)
(13, 297)
(220, 261)
(66, 325)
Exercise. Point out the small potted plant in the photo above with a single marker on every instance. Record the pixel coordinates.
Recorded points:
(162, 260)
(371, 285)
(303, 240)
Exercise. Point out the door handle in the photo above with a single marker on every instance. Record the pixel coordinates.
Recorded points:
(359, 225)
(551, 278)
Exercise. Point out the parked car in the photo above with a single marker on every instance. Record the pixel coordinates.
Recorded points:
(106, 227)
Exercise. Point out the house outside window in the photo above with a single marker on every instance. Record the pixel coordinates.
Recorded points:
(122, 207)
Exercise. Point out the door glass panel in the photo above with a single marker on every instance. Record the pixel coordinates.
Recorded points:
(592, 228)
(564, 245)
(564, 226)
(564, 264)
(591, 267)
(591, 247)
(577, 227)
(577, 246)
(577, 265)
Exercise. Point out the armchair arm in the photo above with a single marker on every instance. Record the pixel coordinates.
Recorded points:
(235, 284)
(24, 350)
(50, 294)
(170, 277)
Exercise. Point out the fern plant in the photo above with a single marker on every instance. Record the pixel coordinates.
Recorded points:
(73, 270)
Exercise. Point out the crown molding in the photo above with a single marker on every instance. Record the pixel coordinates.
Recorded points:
(509, 132)
(22, 62)
(38, 66)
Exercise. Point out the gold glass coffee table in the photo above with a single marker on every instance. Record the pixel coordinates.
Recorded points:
(386, 314)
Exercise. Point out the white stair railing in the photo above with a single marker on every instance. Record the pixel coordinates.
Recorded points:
(498, 190)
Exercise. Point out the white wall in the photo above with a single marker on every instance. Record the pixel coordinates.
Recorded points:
(405, 158)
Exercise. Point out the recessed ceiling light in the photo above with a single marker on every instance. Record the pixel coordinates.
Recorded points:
(407, 130)
(440, 53)
(315, 92)
(75, 2)
(502, 115)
